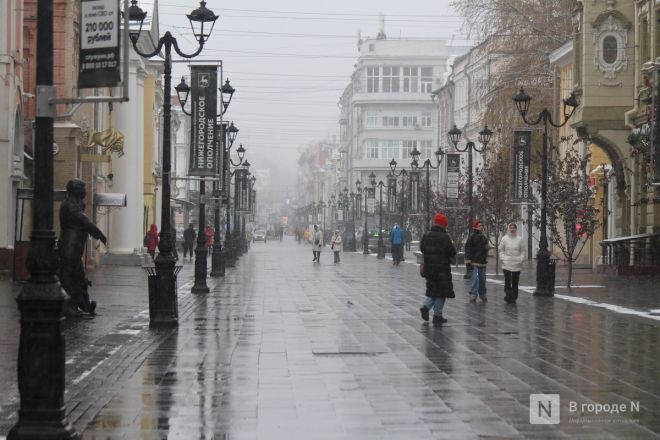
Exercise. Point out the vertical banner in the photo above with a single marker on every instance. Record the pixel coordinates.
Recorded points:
(220, 141)
(358, 206)
(242, 190)
(391, 194)
(522, 140)
(226, 177)
(253, 200)
(453, 177)
(204, 96)
(414, 192)
(99, 44)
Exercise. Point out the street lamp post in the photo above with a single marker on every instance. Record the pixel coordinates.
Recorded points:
(164, 301)
(484, 138)
(230, 255)
(201, 251)
(333, 213)
(365, 232)
(545, 278)
(414, 165)
(238, 218)
(353, 201)
(41, 350)
(381, 246)
(226, 140)
(403, 173)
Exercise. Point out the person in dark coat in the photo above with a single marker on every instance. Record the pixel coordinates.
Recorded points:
(478, 244)
(189, 236)
(439, 251)
(73, 236)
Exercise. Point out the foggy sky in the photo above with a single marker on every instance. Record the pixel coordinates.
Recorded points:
(290, 61)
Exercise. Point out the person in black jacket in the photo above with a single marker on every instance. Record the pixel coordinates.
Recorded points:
(439, 251)
(478, 244)
(189, 236)
(71, 246)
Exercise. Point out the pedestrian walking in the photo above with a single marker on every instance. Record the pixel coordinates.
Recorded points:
(512, 255)
(439, 251)
(151, 240)
(397, 239)
(317, 243)
(189, 236)
(336, 245)
(478, 245)
(209, 233)
(408, 237)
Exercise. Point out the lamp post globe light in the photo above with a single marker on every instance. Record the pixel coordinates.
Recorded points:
(41, 350)
(414, 165)
(228, 133)
(201, 251)
(380, 184)
(545, 275)
(163, 308)
(484, 138)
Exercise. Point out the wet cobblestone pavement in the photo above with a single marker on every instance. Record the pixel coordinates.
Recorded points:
(283, 348)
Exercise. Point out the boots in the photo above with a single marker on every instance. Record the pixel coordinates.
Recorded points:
(425, 313)
(438, 320)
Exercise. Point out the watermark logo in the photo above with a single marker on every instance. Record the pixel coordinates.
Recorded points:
(544, 409)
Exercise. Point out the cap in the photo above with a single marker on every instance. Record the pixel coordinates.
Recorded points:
(441, 220)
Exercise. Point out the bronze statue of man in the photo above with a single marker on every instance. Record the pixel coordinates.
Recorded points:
(75, 226)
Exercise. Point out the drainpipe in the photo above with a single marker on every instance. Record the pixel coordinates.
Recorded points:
(637, 80)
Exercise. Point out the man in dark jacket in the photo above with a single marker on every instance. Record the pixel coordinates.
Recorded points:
(189, 241)
(438, 250)
(73, 236)
(478, 244)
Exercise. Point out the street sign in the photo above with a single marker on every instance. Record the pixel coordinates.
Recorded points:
(453, 175)
(371, 206)
(522, 140)
(99, 44)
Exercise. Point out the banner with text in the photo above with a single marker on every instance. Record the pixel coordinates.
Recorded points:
(99, 44)
(204, 96)
(522, 140)
(453, 177)
(414, 192)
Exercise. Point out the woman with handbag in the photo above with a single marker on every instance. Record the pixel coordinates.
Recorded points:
(438, 250)
(336, 245)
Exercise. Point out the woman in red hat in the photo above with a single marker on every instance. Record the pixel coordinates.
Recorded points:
(438, 250)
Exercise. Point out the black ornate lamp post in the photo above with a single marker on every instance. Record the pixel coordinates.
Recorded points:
(414, 165)
(231, 231)
(544, 276)
(484, 138)
(201, 251)
(41, 350)
(403, 173)
(165, 308)
(226, 140)
(365, 231)
(333, 213)
(381, 246)
(353, 200)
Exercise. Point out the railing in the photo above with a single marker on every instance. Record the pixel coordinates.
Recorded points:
(637, 250)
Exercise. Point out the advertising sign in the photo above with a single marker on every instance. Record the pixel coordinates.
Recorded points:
(99, 44)
(522, 140)
(391, 194)
(371, 201)
(414, 192)
(204, 92)
(453, 176)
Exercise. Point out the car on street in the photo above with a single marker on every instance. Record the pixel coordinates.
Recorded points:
(259, 235)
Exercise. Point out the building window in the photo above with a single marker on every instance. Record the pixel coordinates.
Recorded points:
(372, 119)
(408, 146)
(372, 79)
(391, 79)
(610, 49)
(426, 120)
(390, 149)
(409, 121)
(427, 79)
(410, 79)
(372, 47)
(372, 149)
(425, 149)
(390, 121)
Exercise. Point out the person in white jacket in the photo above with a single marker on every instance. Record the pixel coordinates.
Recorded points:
(512, 255)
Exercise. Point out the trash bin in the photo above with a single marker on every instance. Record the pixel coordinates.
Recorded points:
(152, 284)
(552, 266)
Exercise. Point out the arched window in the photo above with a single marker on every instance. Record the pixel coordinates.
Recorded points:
(610, 49)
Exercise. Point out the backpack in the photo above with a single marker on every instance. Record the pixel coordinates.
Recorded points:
(147, 240)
